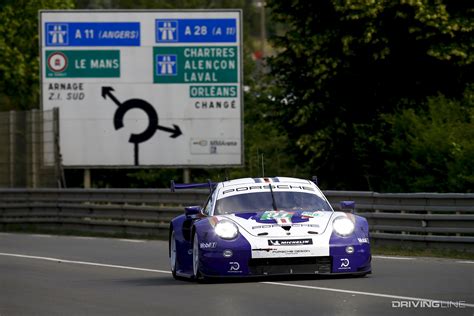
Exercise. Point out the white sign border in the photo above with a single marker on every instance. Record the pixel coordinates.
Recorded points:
(214, 166)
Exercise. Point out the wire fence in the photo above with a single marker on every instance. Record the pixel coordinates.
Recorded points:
(29, 149)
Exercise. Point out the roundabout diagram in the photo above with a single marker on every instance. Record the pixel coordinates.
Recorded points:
(153, 123)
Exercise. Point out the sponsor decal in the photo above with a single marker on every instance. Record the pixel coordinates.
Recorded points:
(289, 252)
(207, 245)
(363, 240)
(282, 217)
(305, 225)
(345, 264)
(311, 214)
(266, 187)
(264, 226)
(234, 267)
(292, 225)
(290, 242)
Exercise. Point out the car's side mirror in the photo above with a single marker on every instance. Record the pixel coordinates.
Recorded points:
(348, 206)
(192, 210)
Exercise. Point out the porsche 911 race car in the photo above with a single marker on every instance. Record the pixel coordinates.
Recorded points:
(267, 226)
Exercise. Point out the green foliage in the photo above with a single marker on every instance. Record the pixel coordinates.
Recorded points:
(341, 65)
(268, 151)
(433, 149)
(19, 62)
(365, 94)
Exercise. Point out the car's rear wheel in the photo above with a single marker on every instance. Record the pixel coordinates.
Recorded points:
(196, 263)
(173, 255)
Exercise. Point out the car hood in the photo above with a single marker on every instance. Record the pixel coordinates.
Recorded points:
(282, 223)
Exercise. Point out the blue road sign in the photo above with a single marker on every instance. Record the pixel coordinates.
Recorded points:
(196, 30)
(166, 65)
(92, 34)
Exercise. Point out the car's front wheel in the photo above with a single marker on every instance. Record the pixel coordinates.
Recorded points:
(196, 263)
(173, 255)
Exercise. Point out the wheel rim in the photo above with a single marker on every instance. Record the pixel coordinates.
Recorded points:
(173, 253)
(196, 256)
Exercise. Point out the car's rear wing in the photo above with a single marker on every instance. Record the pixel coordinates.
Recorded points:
(178, 186)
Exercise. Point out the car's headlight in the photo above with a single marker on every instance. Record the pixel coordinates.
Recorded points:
(343, 226)
(226, 230)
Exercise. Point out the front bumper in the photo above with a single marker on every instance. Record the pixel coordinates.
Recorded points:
(246, 260)
(242, 265)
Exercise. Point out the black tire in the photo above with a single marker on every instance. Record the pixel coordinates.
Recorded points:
(196, 258)
(173, 255)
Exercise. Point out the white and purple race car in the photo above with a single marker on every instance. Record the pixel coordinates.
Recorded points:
(264, 227)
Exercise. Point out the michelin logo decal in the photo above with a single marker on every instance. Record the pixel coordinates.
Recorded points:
(292, 242)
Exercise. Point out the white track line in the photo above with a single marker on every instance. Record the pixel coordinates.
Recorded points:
(365, 293)
(132, 240)
(269, 283)
(394, 258)
(83, 263)
(465, 261)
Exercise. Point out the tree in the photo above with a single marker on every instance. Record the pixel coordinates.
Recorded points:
(19, 61)
(433, 149)
(342, 65)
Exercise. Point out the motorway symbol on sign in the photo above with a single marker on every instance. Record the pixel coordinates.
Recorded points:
(167, 31)
(57, 34)
(166, 65)
(153, 125)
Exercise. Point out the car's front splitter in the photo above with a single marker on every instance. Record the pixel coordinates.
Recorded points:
(215, 264)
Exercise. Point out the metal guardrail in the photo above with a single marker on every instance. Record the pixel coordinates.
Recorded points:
(438, 220)
(428, 219)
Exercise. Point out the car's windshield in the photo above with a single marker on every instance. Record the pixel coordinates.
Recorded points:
(262, 201)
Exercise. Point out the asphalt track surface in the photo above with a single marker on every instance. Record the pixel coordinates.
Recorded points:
(56, 275)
